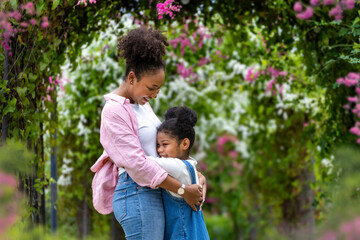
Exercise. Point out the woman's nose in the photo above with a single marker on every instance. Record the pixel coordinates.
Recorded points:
(154, 95)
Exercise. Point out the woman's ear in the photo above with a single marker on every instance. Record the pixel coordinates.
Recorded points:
(185, 144)
(131, 78)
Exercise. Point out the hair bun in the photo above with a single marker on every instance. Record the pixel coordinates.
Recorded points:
(142, 45)
(183, 114)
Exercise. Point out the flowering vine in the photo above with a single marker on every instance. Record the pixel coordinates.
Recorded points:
(167, 8)
(352, 80)
(12, 22)
(336, 12)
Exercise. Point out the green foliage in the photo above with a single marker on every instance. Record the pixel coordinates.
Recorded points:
(274, 150)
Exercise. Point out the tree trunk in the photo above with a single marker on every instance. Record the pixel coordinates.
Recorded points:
(298, 212)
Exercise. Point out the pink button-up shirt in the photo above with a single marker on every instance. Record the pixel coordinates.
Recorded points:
(119, 137)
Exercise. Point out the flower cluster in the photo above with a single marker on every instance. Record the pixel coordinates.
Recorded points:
(272, 73)
(336, 11)
(186, 72)
(85, 2)
(9, 203)
(167, 8)
(199, 36)
(352, 80)
(28, 19)
(53, 83)
(226, 145)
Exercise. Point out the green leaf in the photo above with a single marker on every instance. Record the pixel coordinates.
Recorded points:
(55, 4)
(13, 3)
(11, 106)
(21, 91)
(40, 6)
(43, 65)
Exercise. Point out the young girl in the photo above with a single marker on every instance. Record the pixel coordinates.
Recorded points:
(175, 137)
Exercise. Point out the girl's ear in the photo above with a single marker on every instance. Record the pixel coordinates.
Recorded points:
(185, 144)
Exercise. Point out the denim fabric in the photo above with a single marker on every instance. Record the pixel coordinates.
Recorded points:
(182, 223)
(139, 210)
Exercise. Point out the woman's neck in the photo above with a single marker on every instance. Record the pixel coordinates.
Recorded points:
(123, 91)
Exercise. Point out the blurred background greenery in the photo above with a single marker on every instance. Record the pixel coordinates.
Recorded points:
(263, 83)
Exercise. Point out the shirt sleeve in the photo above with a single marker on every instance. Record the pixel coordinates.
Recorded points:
(119, 140)
(174, 166)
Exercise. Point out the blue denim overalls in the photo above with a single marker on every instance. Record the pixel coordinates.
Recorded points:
(181, 222)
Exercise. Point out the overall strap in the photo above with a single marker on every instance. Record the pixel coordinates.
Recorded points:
(191, 170)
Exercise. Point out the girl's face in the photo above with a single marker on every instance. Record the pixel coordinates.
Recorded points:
(168, 146)
(147, 88)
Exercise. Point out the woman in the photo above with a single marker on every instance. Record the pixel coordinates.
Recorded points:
(128, 135)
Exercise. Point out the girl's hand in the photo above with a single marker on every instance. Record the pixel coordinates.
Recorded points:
(202, 181)
(193, 195)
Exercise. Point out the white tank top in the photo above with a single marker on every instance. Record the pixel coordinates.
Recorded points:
(148, 123)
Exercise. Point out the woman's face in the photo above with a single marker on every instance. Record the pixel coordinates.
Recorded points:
(168, 146)
(147, 88)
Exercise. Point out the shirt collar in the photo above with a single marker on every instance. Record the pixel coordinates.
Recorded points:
(117, 98)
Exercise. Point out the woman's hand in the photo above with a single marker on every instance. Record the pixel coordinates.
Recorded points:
(202, 182)
(193, 195)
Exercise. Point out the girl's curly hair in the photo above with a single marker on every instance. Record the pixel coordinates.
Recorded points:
(142, 49)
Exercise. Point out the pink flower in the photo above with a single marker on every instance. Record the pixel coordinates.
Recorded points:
(233, 154)
(250, 77)
(336, 11)
(338, 18)
(346, 106)
(340, 80)
(50, 80)
(354, 76)
(7, 179)
(202, 166)
(167, 8)
(353, 99)
(347, 228)
(328, 2)
(221, 141)
(358, 142)
(270, 85)
(281, 89)
(350, 4)
(314, 2)
(355, 131)
(45, 22)
(15, 14)
(174, 42)
(203, 61)
(358, 91)
(328, 236)
(298, 7)
(30, 8)
(32, 22)
(308, 13)
(306, 124)
(283, 73)
(24, 24)
(185, 72)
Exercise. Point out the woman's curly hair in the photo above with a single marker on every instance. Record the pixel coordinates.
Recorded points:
(143, 49)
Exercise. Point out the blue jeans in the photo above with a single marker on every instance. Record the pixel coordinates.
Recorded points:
(139, 210)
